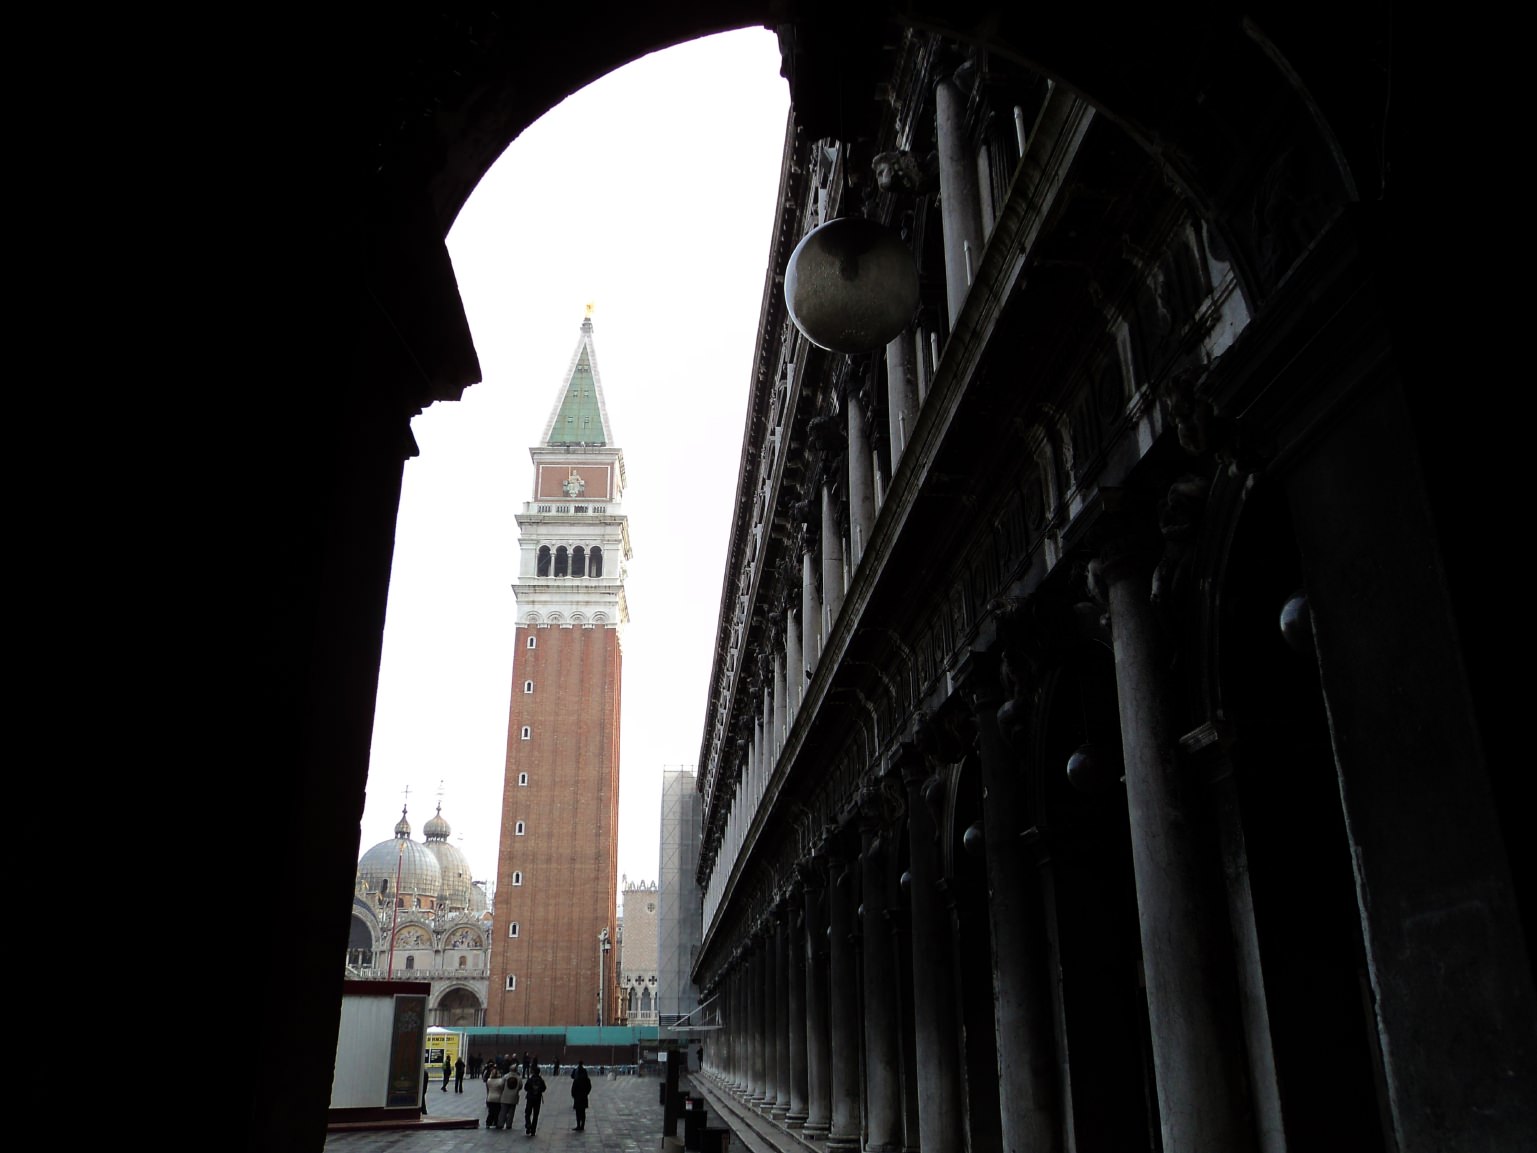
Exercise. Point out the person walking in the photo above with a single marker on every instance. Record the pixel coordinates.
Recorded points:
(581, 1089)
(510, 1086)
(493, 1095)
(459, 1075)
(533, 1092)
(448, 1068)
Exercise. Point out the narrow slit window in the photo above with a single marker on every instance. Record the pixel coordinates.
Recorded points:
(527, 733)
(512, 982)
(512, 929)
(522, 780)
(518, 829)
(528, 686)
(517, 878)
(533, 641)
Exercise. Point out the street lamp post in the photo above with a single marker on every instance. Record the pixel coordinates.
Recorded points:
(400, 856)
(604, 945)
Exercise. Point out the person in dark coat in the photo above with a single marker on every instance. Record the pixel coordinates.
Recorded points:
(581, 1089)
(533, 1095)
(459, 1075)
(448, 1068)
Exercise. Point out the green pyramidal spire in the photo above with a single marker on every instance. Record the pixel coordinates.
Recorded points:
(580, 416)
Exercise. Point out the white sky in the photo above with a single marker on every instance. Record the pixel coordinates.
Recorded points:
(651, 194)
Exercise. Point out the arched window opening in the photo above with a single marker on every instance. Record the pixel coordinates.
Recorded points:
(595, 562)
(410, 962)
(562, 562)
(528, 686)
(512, 929)
(464, 962)
(578, 562)
(512, 982)
(533, 642)
(645, 1000)
(544, 561)
(518, 830)
(633, 1001)
(517, 878)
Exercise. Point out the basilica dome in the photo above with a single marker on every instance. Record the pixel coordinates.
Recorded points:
(417, 868)
(455, 869)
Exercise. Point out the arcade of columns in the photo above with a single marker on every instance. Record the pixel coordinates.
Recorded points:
(983, 558)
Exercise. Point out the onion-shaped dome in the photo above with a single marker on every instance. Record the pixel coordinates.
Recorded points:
(401, 864)
(455, 870)
(436, 828)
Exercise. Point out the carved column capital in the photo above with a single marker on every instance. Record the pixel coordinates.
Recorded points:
(1127, 541)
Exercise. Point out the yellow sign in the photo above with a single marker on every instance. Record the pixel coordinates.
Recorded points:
(442, 1048)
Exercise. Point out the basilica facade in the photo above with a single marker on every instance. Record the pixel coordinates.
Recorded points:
(417, 915)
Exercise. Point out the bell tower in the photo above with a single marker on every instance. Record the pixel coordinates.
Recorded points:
(557, 869)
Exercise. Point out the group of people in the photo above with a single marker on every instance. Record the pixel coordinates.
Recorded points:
(457, 1070)
(503, 1086)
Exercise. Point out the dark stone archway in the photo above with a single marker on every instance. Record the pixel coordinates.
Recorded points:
(350, 141)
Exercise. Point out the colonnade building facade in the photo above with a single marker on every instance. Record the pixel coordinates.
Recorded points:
(1089, 762)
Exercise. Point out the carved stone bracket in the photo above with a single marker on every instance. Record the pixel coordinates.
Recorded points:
(906, 173)
(1179, 520)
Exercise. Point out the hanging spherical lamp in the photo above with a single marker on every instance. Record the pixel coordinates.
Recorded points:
(851, 285)
(1084, 769)
(1297, 623)
(973, 839)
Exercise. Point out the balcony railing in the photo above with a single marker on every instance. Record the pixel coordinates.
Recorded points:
(380, 974)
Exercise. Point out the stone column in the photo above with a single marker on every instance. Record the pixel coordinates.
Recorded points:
(738, 1078)
(781, 706)
(1022, 1012)
(1450, 968)
(861, 481)
(818, 1025)
(843, 1008)
(883, 1063)
(795, 668)
(770, 744)
(771, 1020)
(757, 1080)
(1196, 1055)
(781, 1015)
(795, 952)
(832, 564)
(762, 766)
(901, 395)
(936, 1014)
(921, 362)
(744, 1025)
(959, 205)
(811, 611)
(1207, 747)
